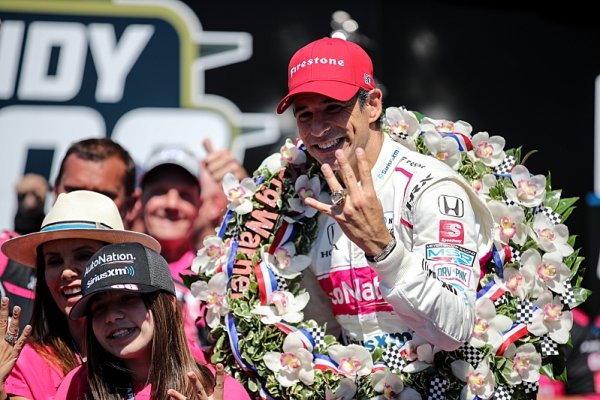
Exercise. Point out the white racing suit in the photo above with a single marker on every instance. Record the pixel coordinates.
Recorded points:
(427, 285)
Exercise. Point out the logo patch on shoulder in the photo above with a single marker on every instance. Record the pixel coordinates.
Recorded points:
(451, 206)
(451, 232)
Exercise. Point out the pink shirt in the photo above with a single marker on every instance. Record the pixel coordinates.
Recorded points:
(75, 384)
(190, 305)
(33, 377)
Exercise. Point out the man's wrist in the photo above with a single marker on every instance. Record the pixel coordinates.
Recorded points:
(384, 253)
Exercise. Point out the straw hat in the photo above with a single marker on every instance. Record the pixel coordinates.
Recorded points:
(80, 214)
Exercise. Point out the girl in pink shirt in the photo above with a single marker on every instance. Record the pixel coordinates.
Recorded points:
(137, 345)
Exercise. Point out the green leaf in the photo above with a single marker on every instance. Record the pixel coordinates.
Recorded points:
(552, 199)
(564, 204)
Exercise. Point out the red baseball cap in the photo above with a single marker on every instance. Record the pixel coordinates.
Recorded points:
(332, 67)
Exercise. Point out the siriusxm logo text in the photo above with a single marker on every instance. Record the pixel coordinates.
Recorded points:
(110, 273)
(109, 259)
(383, 341)
(388, 164)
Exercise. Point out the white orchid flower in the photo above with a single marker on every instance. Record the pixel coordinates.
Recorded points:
(551, 319)
(291, 153)
(517, 281)
(388, 384)
(444, 126)
(239, 193)
(529, 191)
(526, 363)
(420, 353)
(480, 381)
(284, 260)
(273, 163)
(550, 237)
(549, 271)
(283, 306)
(294, 364)
(488, 326)
(508, 222)
(404, 126)
(444, 149)
(213, 294)
(488, 150)
(211, 257)
(305, 188)
(530, 261)
(353, 360)
(345, 391)
(482, 186)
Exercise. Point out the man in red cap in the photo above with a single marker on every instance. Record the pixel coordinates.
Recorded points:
(385, 232)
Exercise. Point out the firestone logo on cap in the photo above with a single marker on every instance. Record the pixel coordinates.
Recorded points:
(314, 61)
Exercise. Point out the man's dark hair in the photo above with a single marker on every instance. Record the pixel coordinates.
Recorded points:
(100, 149)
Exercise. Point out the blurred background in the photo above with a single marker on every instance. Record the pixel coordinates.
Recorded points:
(522, 72)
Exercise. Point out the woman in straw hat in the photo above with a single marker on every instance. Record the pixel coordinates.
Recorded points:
(78, 225)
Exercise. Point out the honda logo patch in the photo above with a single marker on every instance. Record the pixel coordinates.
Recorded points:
(451, 206)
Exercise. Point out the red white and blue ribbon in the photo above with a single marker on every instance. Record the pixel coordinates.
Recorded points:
(226, 219)
(517, 331)
(234, 342)
(325, 363)
(263, 394)
(267, 283)
(302, 334)
(284, 233)
(491, 290)
(231, 260)
(501, 256)
(464, 143)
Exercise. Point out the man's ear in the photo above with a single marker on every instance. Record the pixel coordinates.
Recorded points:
(375, 105)
(133, 216)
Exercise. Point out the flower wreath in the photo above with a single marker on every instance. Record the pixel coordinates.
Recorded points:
(249, 277)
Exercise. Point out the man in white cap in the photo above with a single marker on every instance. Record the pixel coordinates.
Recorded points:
(383, 234)
(169, 206)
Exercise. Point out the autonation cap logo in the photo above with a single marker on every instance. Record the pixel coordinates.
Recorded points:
(110, 258)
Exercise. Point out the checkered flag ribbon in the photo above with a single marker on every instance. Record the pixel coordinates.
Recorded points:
(471, 355)
(525, 310)
(568, 297)
(437, 388)
(501, 300)
(515, 255)
(318, 336)
(530, 387)
(400, 135)
(549, 346)
(548, 212)
(509, 202)
(281, 282)
(503, 393)
(505, 166)
(393, 359)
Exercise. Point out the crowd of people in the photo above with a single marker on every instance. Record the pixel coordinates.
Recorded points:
(92, 332)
